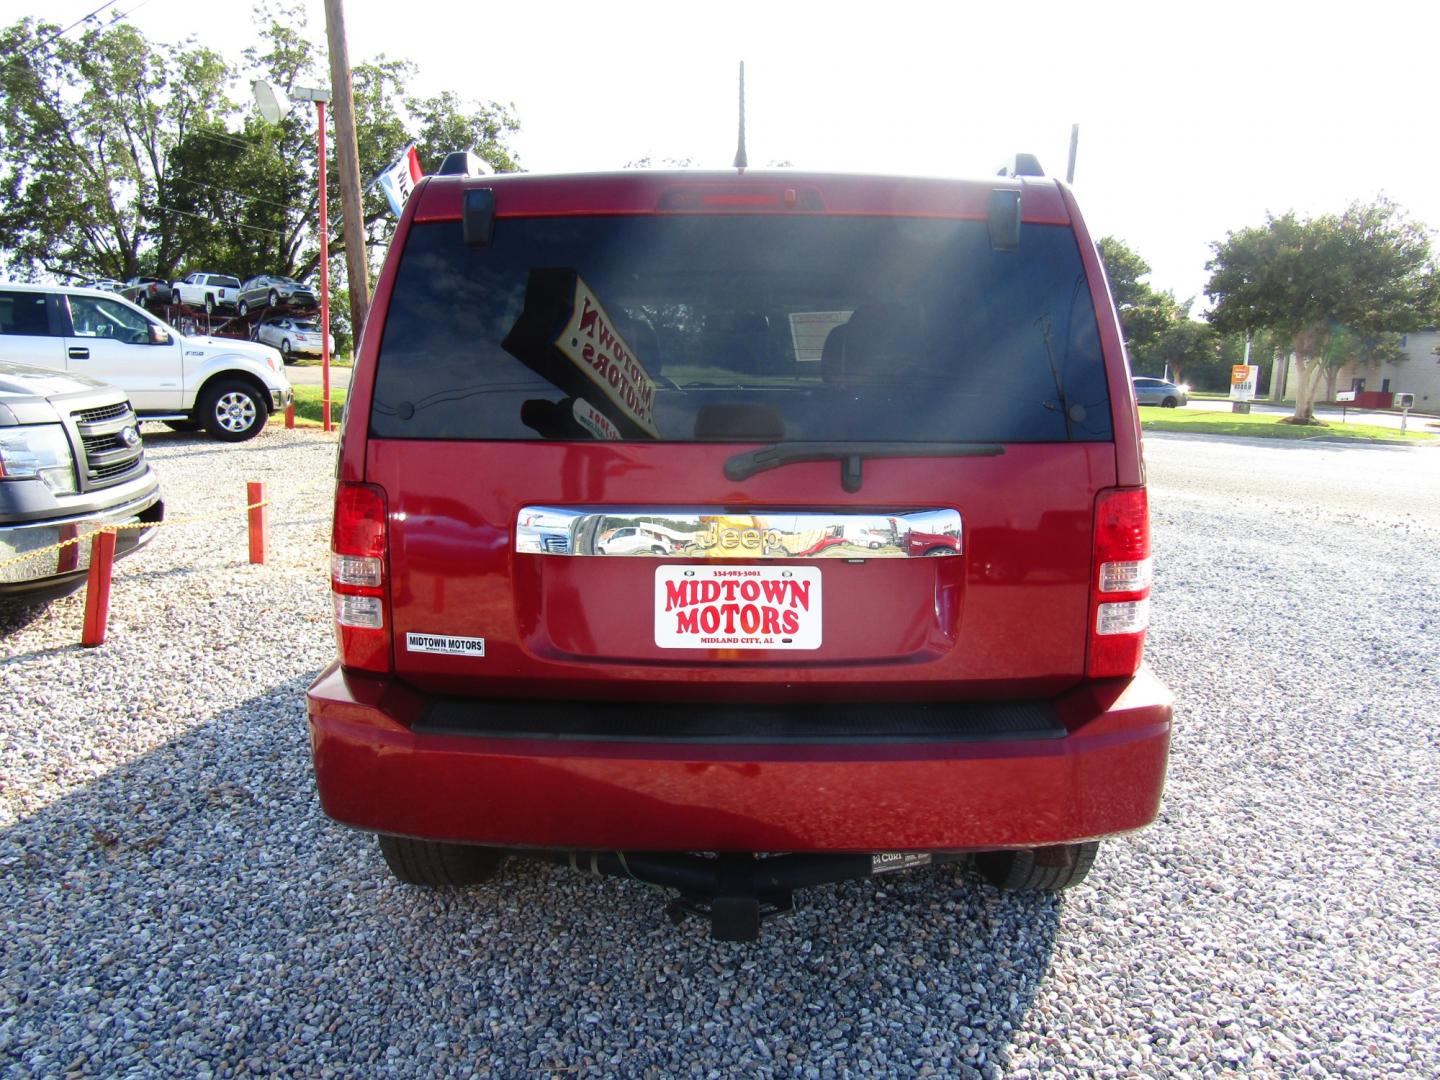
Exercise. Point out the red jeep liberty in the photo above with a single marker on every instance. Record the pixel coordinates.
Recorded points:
(738, 532)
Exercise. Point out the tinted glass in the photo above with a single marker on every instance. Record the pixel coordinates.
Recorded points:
(226, 282)
(23, 314)
(741, 328)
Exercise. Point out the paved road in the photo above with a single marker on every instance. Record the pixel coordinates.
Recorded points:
(1357, 416)
(309, 374)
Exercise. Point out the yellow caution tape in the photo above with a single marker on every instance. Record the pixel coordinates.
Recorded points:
(191, 520)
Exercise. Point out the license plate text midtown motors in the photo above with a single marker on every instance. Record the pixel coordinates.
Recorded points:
(749, 607)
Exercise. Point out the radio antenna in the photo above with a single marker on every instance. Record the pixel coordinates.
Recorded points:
(740, 159)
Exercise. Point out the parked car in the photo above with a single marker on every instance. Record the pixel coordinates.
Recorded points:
(147, 291)
(923, 543)
(213, 292)
(105, 285)
(268, 290)
(293, 336)
(1150, 391)
(552, 357)
(71, 459)
(629, 541)
(228, 387)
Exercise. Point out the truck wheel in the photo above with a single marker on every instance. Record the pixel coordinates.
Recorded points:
(1048, 869)
(209, 304)
(439, 866)
(232, 411)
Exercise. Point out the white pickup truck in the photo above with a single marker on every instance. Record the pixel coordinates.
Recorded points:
(230, 388)
(209, 291)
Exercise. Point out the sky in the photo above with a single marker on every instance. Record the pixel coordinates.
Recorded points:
(1195, 119)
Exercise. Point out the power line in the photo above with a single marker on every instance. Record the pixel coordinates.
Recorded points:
(62, 33)
(242, 195)
(119, 16)
(233, 224)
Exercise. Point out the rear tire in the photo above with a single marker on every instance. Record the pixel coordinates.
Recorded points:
(209, 305)
(1047, 869)
(437, 865)
(285, 353)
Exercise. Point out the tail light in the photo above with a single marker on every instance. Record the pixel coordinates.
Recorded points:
(358, 550)
(1120, 588)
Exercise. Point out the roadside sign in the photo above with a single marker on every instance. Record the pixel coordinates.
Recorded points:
(1243, 380)
(1345, 395)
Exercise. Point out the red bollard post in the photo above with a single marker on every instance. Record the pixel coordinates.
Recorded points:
(259, 521)
(97, 591)
(290, 416)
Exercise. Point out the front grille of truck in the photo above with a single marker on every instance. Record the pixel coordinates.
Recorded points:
(103, 413)
(106, 459)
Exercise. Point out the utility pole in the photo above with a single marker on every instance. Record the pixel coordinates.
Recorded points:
(741, 161)
(347, 160)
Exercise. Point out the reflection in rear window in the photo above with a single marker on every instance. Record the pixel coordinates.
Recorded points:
(739, 328)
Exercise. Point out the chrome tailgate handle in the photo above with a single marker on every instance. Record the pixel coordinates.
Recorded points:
(667, 532)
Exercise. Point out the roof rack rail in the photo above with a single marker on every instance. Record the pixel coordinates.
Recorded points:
(1021, 165)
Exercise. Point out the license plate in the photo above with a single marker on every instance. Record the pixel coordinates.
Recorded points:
(737, 607)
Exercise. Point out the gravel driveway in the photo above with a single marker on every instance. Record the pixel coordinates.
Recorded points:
(172, 901)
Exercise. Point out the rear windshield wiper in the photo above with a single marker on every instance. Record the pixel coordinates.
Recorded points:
(849, 454)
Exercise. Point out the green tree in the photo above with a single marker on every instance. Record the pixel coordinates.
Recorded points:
(1367, 271)
(173, 174)
(88, 131)
(1146, 315)
(1124, 267)
(1187, 346)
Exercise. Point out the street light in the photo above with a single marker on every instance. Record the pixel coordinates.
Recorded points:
(273, 105)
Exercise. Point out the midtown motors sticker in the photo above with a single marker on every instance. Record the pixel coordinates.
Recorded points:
(737, 607)
(445, 644)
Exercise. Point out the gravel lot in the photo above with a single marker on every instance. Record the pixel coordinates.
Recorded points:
(172, 901)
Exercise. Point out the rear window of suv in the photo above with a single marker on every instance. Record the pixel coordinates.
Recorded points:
(741, 328)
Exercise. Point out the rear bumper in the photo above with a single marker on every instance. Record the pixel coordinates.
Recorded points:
(1103, 777)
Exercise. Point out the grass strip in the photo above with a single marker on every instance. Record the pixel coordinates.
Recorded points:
(309, 402)
(1268, 426)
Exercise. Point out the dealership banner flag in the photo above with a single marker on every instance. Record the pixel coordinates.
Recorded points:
(400, 178)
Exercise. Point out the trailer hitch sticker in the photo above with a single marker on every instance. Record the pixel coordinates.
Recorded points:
(886, 862)
(445, 644)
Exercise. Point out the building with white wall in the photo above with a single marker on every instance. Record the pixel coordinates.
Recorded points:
(1418, 373)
